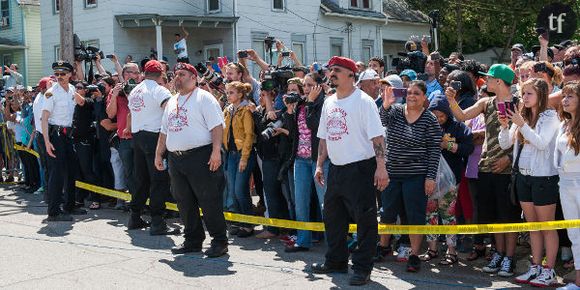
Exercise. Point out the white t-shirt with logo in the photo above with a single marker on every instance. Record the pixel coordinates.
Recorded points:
(182, 47)
(348, 125)
(145, 103)
(189, 126)
(37, 111)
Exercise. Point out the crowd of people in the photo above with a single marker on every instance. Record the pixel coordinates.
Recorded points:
(435, 141)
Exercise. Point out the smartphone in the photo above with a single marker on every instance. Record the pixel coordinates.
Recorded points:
(285, 53)
(510, 106)
(109, 56)
(243, 54)
(316, 67)
(501, 109)
(456, 85)
(400, 93)
(542, 32)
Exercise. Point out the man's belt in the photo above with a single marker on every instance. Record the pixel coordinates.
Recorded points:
(185, 152)
(60, 130)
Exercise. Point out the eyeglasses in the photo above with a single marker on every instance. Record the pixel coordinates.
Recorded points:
(132, 72)
(61, 74)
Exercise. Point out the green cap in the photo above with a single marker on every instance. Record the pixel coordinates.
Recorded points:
(500, 71)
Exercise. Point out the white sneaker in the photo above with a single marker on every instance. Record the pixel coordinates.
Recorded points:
(403, 254)
(570, 286)
(530, 275)
(507, 267)
(546, 279)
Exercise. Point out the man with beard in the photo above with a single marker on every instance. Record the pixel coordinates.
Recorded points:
(351, 135)
(57, 117)
(192, 131)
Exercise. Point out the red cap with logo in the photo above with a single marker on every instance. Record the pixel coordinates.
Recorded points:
(343, 62)
(43, 82)
(153, 66)
(185, 66)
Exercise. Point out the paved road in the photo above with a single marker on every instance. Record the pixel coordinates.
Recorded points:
(96, 252)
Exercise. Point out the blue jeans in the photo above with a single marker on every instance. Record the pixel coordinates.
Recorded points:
(276, 203)
(288, 191)
(303, 178)
(126, 154)
(238, 193)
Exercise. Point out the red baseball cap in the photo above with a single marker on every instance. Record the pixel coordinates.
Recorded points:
(343, 62)
(185, 66)
(153, 66)
(43, 82)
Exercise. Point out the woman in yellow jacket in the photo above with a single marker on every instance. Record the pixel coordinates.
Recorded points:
(238, 140)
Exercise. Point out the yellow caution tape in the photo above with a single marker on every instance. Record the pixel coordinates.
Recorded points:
(383, 229)
(22, 148)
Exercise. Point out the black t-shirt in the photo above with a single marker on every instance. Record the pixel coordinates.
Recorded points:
(83, 121)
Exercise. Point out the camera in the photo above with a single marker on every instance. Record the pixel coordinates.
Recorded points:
(91, 89)
(214, 79)
(82, 53)
(285, 53)
(278, 79)
(292, 98)
(270, 129)
(242, 54)
(129, 86)
(456, 85)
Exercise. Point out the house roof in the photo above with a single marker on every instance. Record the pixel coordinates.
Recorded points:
(149, 20)
(29, 2)
(10, 44)
(330, 7)
(399, 10)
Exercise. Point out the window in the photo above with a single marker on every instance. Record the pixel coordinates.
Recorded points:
(55, 6)
(335, 47)
(5, 13)
(278, 5)
(90, 3)
(298, 49)
(213, 6)
(7, 59)
(259, 47)
(367, 49)
(362, 4)
(57, 53)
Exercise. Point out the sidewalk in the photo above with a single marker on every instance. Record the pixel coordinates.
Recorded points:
(96, 252)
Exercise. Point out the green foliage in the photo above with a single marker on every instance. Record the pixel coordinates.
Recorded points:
(489, 23)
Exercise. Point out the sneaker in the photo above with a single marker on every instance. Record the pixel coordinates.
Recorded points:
(495, 263)
(382, 253)
(507, 267)
(570, 286)
(39, 191)
(546, 279)
(291, 241)
(403, 254)
(530, 275)
(413, 264)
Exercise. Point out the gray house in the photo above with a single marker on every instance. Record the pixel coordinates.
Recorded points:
(314, 29)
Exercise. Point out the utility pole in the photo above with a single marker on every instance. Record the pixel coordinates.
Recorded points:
(66, 31)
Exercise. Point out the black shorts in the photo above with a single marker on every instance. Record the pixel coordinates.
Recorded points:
(493, 199)
(541, 190)
(405, 195)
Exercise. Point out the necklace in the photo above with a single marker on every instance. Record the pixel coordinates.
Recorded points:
(186, 99)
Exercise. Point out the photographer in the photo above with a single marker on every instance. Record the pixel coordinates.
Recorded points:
(11, 76)
(240, 71)
(304, 115)
(284, 55)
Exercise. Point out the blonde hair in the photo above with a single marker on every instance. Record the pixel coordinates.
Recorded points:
(240, 87)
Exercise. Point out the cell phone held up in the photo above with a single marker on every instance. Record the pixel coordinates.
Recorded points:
(541, 31)
(243, 54)
(456, 85)
(503, 108)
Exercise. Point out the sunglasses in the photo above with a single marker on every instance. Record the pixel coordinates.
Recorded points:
(61, 74)
(542, 67)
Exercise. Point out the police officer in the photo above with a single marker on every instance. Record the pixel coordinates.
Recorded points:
(146, 103)
(191, 131)
(57, 116)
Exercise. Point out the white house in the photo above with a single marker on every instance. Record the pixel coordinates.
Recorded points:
(314, 29)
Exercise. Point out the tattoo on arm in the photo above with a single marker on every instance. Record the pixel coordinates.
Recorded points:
(379, 147)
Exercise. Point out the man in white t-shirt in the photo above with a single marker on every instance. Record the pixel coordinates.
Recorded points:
(351, 136)
(191, 131)
(146, 104)
(39, 147)
(180, 46)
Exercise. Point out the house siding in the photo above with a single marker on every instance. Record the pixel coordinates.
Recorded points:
(33, 44)
(14, 32)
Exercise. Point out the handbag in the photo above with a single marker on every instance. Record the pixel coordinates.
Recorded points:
(515, 170)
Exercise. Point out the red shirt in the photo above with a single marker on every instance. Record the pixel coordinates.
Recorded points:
(122, 112)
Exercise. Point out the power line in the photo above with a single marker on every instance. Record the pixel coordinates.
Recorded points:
(316, 24)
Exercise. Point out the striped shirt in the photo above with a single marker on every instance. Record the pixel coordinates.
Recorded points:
(412, 148)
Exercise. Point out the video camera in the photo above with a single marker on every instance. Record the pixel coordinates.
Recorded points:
(129, 86)
(277, 79)
(94, 88)
(82, 53)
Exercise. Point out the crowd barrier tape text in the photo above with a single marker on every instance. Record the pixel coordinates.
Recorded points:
(383, 229)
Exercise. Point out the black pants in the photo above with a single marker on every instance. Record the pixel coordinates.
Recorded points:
(351, 195)
(31, 170)
(85, 152)
(62, 173)
(193, 186)
(151, 183)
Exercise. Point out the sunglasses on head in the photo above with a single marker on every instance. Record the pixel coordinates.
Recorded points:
(542, 67)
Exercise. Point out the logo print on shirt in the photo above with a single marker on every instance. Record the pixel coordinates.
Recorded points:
(336, 125)
(177, 119)
(136, 102)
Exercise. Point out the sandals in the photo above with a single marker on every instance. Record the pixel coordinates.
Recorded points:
(429, 255)
(95, 205)
(476, 253)
(448, 259)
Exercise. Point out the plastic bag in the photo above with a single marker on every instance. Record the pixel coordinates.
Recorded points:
(445, 181)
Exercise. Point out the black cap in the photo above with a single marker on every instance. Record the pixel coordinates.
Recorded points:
(519, 47)
(564, 44)
(62, 65)
(536, 50)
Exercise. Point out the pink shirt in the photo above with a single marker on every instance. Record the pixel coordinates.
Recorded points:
(304, 135)
(122, 112)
